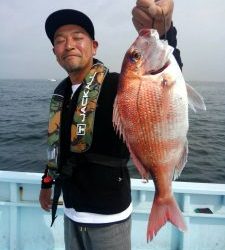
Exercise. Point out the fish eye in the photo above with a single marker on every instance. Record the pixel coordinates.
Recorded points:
(135, 55)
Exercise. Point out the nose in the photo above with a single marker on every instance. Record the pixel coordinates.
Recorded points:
(69, 43)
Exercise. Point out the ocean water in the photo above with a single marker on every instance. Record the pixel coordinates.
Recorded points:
(24, 106)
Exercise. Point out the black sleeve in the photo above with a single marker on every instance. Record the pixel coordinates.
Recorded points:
(171, 37)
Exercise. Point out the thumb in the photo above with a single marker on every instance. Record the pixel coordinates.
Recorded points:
(155, 10)
(149, 7)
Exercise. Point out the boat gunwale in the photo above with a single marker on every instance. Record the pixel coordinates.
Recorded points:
(136, 184)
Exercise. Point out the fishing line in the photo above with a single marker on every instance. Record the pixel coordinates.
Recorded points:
(164, 23)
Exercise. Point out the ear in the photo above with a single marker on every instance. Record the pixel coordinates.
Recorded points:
(53, 50)
(95, 46)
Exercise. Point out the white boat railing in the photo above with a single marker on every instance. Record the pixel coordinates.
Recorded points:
(25, 226)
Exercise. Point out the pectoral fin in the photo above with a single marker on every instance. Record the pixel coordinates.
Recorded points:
(195, 100)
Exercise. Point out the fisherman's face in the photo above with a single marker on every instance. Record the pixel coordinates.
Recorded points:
(74, 48)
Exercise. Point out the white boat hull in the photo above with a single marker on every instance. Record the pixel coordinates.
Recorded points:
(25, 226)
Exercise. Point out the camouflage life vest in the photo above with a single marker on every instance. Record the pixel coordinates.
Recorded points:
(83, 118)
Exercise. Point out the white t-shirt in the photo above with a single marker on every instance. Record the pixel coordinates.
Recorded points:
(74, 88)
(93, 218)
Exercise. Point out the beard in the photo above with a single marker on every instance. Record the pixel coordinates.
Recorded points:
(75, 65)
(71, 65)
(72, 68)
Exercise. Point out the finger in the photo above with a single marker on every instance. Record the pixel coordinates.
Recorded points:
(149, 7)
(144, 3)
(138, 26)
(161, 7)
(140, 16)
(140, 13)
(155, 11)
(156, 8)
(46, 207)
(46, 204)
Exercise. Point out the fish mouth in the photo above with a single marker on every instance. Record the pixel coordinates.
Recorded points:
(155, 53)
(158, 71)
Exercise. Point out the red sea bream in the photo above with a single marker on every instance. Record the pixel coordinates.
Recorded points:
(151, 114)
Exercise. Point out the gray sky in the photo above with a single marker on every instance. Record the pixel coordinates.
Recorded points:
(26, 51)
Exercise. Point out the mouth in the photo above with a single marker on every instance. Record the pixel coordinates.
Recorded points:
(70, 56)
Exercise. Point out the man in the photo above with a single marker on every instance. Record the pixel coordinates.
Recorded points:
(86, 158)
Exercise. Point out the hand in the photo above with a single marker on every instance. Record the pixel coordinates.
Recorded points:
(152, 13)
(45, 199)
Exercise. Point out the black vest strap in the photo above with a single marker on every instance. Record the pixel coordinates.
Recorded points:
(56, 195)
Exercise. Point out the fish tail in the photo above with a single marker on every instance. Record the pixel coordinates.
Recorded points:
(163, 212)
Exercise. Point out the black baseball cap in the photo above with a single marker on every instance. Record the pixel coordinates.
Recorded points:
(68, 16)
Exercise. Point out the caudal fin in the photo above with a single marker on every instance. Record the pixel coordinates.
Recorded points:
(163, 212)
